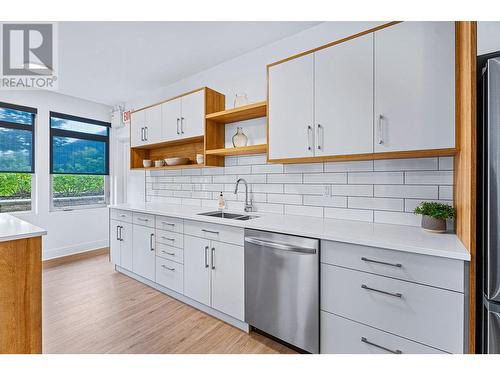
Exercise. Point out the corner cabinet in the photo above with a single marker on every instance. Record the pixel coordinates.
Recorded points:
(390, 89)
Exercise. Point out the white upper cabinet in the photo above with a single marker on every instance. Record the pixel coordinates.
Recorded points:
(192, 122)
(291, 109)
(171, 119)
(343, 106)
(415, 86)
(146, 126)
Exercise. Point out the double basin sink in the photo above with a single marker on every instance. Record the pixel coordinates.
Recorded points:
(228, 215)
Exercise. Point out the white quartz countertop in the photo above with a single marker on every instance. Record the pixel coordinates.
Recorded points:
(13, 228)
(388, 236)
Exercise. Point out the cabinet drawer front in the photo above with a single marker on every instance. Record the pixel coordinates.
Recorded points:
(429, 315)
(169, 252)
(343, 336)
(170, 223)
(146, 220)
(436, 271)
(169, 238)
(121, 215)
(170, 274)
(223, 233)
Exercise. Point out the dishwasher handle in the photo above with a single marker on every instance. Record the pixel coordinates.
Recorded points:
(281, 246)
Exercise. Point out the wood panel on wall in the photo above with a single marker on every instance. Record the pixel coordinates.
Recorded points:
(465, 160)
(21, 296)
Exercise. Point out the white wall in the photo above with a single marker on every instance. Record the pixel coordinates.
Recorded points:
(68, 231)
(488, 37)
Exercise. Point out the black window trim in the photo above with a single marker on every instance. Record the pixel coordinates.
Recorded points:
(54, 132)
(19, 126)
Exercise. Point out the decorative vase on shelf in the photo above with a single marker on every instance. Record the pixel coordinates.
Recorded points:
(240, 100)
(240, 139)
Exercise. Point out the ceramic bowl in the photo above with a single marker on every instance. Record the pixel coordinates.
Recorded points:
(147, 163)
(177, 161)
(159, 163)
(200, 158)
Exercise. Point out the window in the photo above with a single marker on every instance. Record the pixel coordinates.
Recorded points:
(79, 161)
(17, 153)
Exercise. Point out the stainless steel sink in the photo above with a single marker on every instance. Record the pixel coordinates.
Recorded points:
(228, 215)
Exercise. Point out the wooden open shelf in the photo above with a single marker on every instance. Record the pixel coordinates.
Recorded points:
(243, 113)
(247, 150)
(185, 166)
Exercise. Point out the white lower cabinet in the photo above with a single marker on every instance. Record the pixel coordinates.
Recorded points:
(143, 251)
(170, 274)
(214, 274)
(121, 244)
(344, 336)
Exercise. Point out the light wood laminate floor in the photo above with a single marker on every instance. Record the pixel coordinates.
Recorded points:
(88, 307)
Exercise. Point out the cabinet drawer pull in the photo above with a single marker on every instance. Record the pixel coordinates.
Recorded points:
(182, 125)
(380, 137)
(123, 215)
(213, 258)
(166, 252)
(167, 268)
(178, 119)
(142, 219)
(380, 262)
(309, 130)
(118, 233)
(142, 134)
(210, 231)
(151, 247)
(399, 295)
(320, 139)
(206, 256)
(365, 340)
(167, 223)
(169, 239)
(146, 133)
(121, 238)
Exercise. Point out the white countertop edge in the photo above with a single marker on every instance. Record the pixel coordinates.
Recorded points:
(441, 245)
(12, 228)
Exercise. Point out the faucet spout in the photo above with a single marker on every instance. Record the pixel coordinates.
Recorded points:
(248, 204)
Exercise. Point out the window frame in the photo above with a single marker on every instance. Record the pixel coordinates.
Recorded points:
(16, 126)
(54, 132)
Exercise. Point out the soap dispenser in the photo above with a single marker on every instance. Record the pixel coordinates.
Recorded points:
(222, 201)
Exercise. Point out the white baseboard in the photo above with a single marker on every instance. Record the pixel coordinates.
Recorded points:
(74, 249)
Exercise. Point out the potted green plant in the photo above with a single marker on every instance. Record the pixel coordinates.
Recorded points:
(434, 215)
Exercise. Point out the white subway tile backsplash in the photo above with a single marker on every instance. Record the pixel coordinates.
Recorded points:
(401, 218)
(267, 168)
(384, 191)
(325, 178)
(284, 178)
(418, 164)
(325, 201)
(304, 168)
(348, 214)
(375, 178)
(387, 204)
(406, 191)
(349, 166)
(429, 178)
(411, 204)
(304, 210)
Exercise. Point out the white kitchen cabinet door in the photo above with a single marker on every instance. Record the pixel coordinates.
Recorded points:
(126, 246)
(291, 109)
(228, 293)
(171, 117)
(343, 111)
(415, 86)
(153, 125)
(143, 257)
(115, 243)
(197, 269)
(137, 121)
(193, 114)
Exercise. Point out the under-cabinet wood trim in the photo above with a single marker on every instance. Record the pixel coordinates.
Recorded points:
(464, 184)
(243, 113)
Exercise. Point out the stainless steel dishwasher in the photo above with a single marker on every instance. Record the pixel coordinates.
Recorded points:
(282, 287)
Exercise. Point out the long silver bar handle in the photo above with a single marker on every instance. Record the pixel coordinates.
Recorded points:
(146, 133)
(182, 125)
(151, 241)
(178, 119)
(380, 262)
(309, 131)
(121, 238)
(320, 139)
(167, 268)
(142, 134)
(168, 238)
(206, 256)
(142, 219)
(117, 233)
(166, 252)
(379, 130)
(281, 246)
(213, 258)
(210, 231)
(365, 340)
(167, 223)
(398, 295)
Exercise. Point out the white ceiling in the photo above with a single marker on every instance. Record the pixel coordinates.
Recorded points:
(113, 62)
